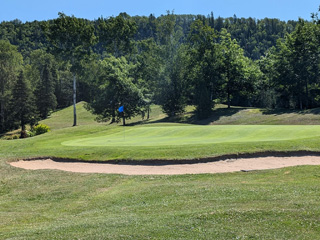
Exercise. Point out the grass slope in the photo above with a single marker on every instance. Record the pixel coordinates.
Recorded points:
(64, 118)
(160, 139)
(257, 116)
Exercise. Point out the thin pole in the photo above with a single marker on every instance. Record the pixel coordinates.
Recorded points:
(124, 133)
(74, 100)
(124, 128)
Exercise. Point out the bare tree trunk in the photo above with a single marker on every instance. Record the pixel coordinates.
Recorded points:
(23, 133)
(228, 90)
(1, 116)
(2, 109)
(307, 95)
(113, 114)
(74, 100)
(300, 102)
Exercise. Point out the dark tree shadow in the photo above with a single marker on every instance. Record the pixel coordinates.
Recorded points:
(280, 111)
(144, 122)
(217, 114)
(191, 117)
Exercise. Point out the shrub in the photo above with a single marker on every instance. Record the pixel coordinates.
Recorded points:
(30, 133)
(40, 129)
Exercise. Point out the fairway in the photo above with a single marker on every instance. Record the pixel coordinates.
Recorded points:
(190, 134)
(97, 199)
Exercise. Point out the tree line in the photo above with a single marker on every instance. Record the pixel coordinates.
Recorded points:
(173, 60)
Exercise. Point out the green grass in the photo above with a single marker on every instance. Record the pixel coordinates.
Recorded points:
(273, 204)
(190, 135)
(66, 143)
(257, 116)
(160, 139)
(64, 118)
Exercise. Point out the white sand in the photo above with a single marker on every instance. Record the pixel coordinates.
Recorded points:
(230, 165)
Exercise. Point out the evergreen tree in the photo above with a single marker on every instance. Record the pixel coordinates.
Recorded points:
(172, 82)
(174, 86)
(46, 100)
(10, 60)
(44, 77)
(266, 94)
(147, 71)
(64, 87)
(22, 104)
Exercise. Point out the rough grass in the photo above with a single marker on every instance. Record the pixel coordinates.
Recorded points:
(221, 116)
(275, 204)
(257, 116)
(64, 118)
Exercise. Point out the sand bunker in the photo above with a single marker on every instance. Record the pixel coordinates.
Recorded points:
(230, 165)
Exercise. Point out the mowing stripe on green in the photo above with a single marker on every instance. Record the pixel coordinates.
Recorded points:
(189, 134)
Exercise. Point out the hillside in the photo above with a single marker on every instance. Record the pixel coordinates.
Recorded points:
(221, 116)
(259, 116)
(64, 118)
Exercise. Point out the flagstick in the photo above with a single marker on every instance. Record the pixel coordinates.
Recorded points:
(124, 133)
(121, 110)
(124, 129)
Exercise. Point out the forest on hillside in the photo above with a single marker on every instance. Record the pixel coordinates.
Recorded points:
(171, 60)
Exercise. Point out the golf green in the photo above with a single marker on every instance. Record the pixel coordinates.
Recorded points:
(190, 134)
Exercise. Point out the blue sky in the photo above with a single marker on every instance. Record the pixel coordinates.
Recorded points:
(30, 10)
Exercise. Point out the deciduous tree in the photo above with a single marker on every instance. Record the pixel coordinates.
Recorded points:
(204, 56)
(233, 63)
(113, 87)
(71, 38)
(116, 34)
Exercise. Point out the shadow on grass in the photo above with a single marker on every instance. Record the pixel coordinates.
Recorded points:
(150, 121)
(218, 113)
(191, 117)
(280, 111)
(277, 111)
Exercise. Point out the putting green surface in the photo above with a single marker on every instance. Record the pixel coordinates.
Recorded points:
(190, 134)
